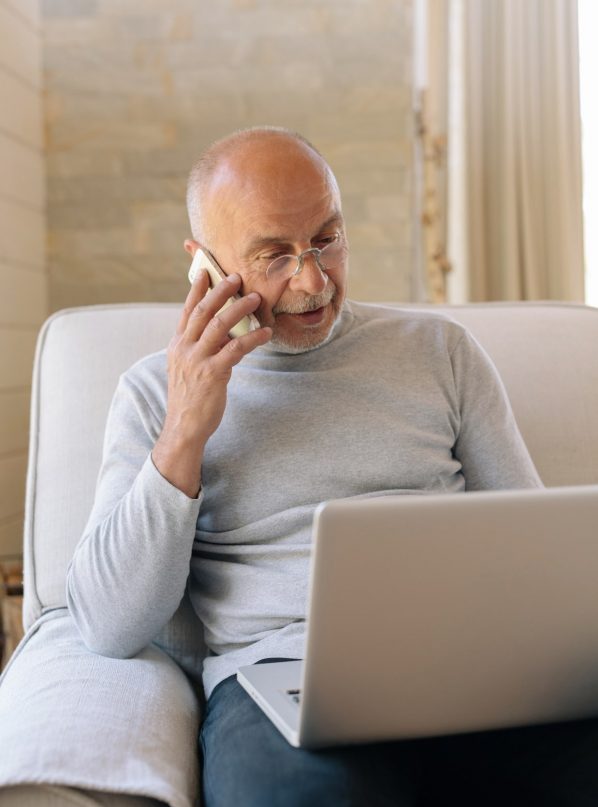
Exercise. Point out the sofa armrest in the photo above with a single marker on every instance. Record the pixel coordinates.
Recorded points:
(71, 717)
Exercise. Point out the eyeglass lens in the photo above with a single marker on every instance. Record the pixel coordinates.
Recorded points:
(286, 266)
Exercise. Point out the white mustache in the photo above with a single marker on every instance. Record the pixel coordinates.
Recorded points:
(304, 304)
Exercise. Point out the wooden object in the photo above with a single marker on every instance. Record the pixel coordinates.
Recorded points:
(11, 608)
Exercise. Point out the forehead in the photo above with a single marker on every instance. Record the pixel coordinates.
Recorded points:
(285, 192)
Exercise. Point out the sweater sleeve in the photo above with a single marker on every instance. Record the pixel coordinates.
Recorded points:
(129, 571)
(489, 444)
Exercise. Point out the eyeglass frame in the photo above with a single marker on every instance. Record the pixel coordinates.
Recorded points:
(315, 251)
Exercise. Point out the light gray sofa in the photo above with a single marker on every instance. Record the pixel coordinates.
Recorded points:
(70, 717)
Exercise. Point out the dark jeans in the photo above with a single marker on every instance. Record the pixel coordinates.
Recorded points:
(248, 763)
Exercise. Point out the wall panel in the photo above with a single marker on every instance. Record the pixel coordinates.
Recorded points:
(136, 90)
(23, 280)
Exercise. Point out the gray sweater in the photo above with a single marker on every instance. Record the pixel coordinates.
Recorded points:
(397, 402)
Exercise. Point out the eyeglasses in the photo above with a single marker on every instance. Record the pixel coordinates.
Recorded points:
(287, 266)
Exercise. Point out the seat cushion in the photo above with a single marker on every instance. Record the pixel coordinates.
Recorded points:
(74, 718)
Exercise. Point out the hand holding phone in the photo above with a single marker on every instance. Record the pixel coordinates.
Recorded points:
(203, 260)
(200, 359)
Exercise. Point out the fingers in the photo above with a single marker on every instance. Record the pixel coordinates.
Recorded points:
(234, 350)
(216, 332)
(209, 320)
(209, 305)
(198, 290)
(204, 323)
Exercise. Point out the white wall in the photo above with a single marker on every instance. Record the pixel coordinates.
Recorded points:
(23, 288)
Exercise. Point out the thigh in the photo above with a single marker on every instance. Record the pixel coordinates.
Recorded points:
(247, 761)
(554, 765)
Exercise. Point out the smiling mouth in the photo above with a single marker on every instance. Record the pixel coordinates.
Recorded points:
(311, 317)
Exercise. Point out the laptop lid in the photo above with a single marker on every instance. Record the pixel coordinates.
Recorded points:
(433, 614)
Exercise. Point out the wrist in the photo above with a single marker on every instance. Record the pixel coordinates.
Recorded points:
(178, 459)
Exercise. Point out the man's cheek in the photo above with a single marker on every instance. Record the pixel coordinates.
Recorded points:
(264, 314)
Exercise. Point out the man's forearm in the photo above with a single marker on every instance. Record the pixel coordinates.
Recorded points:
(129, 572)
(179, 461)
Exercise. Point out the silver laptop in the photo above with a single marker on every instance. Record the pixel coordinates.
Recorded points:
(435, 614)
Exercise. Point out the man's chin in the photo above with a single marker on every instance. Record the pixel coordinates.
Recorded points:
(293, 335)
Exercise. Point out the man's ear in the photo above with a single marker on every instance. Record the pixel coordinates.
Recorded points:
(191, 246)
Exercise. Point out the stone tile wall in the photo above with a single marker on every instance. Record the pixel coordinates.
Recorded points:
(136, 89)
(23, 289)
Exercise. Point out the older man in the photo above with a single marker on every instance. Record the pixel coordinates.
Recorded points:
(219, 449)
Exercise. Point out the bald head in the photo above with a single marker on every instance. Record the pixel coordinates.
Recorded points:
(266, 159)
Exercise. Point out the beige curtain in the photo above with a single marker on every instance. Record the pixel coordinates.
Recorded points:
(523, 150)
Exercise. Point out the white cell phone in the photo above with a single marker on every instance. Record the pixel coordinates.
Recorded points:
(203, 260)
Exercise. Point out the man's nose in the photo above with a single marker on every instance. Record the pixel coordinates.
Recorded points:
(311, 279)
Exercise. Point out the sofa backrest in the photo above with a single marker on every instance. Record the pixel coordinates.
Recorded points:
(547, 355)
